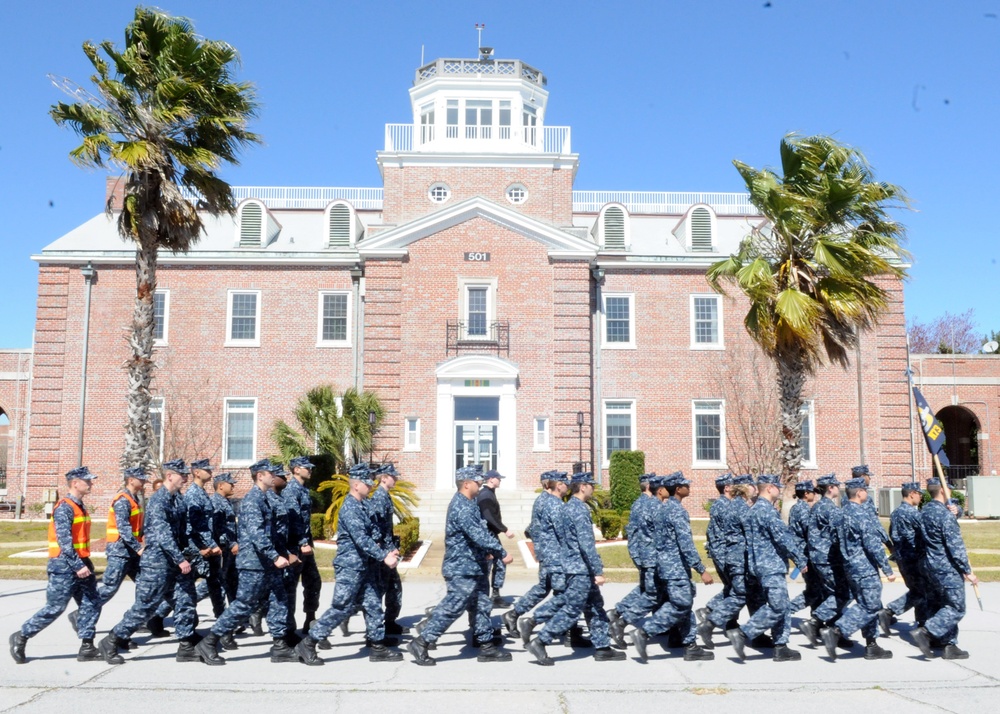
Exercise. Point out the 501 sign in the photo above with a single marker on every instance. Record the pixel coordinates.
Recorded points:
(475, 257)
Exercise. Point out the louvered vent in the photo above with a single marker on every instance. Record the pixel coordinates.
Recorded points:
(340, 225)
(701, 230)
(614, 229)
(250, 226)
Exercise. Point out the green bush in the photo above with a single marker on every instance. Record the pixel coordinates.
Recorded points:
(624, 518)
(626, 468)
(609, 522)
(317, 524)
(959, 497)
(601, 499)
(408, 532)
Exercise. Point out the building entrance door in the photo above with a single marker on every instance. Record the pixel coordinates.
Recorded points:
(476, 423)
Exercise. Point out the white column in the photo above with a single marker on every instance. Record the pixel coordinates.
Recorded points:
(445, 454)
(507, 436)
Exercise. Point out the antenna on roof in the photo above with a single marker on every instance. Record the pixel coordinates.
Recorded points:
(479, 30)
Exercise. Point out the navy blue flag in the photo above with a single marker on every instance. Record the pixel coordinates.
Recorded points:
(932, 426)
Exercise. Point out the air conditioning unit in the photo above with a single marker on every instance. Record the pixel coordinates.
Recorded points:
(983, 496)
(889, 500)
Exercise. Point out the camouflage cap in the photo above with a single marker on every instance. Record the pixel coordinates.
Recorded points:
(828, 480)
(387, 469)
(743, 480)
(224, 477)
(862, 470)
(362, 472)
(912, 486)
(769, 480)
(804, 486)
(855, 483)
(724, 480)
(301, 462)
(646, 478)
(82, 473)
(675, 479)
(177, 466)
(262, 465)
(136, 472)
(202, 464)
(555, 475)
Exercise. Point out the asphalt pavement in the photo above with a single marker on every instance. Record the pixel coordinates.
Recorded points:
(151, 681)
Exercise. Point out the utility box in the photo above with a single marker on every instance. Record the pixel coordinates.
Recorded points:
(983, 496)
(889, 500)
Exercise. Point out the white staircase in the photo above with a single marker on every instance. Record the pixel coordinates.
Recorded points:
(515, 508)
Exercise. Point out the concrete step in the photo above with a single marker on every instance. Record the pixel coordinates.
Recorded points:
(515, 508)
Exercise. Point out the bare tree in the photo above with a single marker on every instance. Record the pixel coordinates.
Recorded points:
(753, 412)
(192, 424)
(947, 334)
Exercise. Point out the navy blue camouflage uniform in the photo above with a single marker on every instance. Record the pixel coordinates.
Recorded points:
(284, 537)
(64, 584)
(390, 587)
(299, 504)
(165, 537)
(467, 545)
(715, 548)
(676, 558)
(200, 518)
(944, 566)
(357, 555)
(581, 565)
(798, 524)
(864, 554)
(826, 560)
(544, 532)
(224, 532)
(908, 550)
(259, 578)
(770, 545)
(644, 598)
(122, 554)
(733, 547)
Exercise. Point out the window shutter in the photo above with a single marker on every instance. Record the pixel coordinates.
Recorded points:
(251, 220)
(701, 230)
(614, 229)
(340, 226)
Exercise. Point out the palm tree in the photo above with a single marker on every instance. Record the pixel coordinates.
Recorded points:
(168, 113)
(811, 269)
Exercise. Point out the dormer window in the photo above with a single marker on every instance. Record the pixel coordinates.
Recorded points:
(701, 230)
(342, 225)
(255, 226)
(611, 229)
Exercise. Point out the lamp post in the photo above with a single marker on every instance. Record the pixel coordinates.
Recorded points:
(579, 425)
(371, 434)
(89, 276)
(319, 415)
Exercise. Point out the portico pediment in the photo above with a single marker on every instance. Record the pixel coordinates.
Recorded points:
(560, 244)
(477, 367)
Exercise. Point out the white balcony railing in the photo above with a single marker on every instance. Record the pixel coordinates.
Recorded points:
(511, 139)
(669, 202)
(306, 196)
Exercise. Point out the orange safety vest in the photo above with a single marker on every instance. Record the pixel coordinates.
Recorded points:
(80, 531)
(134, 518)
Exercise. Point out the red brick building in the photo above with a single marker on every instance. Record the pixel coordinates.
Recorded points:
(502, 317)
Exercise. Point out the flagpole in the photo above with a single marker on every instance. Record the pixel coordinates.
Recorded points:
(943, 478)
(913, 453)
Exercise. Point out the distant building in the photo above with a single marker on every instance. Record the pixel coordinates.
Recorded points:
(503, 317)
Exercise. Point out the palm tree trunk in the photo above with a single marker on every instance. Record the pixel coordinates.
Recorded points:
(139, 442)
(791, 379)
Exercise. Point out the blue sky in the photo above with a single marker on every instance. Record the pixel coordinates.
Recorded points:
(659, 95)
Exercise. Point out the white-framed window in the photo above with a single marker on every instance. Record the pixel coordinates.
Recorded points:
(619, 427)
(478, 118)
(478, 306)
(529, 125)
(334, 329)
(517, 193)
(541, 438)
(156, 422)
(427, 123)
(239, 431)
(439, 192)
(243, 318)
(411, 434)
(709, 422)
(451, 116)
(618, 320)
(808, 439)
(161, 317)
(504, 119)
(706, 322)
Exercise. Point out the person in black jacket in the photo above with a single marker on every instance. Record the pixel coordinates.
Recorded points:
(490, 508)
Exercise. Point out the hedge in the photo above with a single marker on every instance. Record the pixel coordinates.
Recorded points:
(626, 468)
(408, 532)
(317, 524)
(609, 522)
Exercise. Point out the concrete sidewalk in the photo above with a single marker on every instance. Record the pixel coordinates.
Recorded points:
(151, 680)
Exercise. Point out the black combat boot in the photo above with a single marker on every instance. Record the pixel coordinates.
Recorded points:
(885, 619)
(606, 654)
(323, 644)
(418, 648)
(256, 627)
(228, 642)
(616, 631)
(695, 652)
(639, 639)
(536, 648)
(186, 651)
(207, 650)
(577, 640)
(89, 653)
(831, 636)
(954, 652)
(281, 652)
(499, 601)
(379, 652)
(762, 642)
(701, 614)
(705, 633)
(73, 617)
(810, 628)
(306, 650)
(509, 620)
(922, 638)
(873, 651)
(784, 653)
(345, 627)
(108, 648)
(155, 627)
(524, 626)
(739, 642)
(490, 652)
(17, 644)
